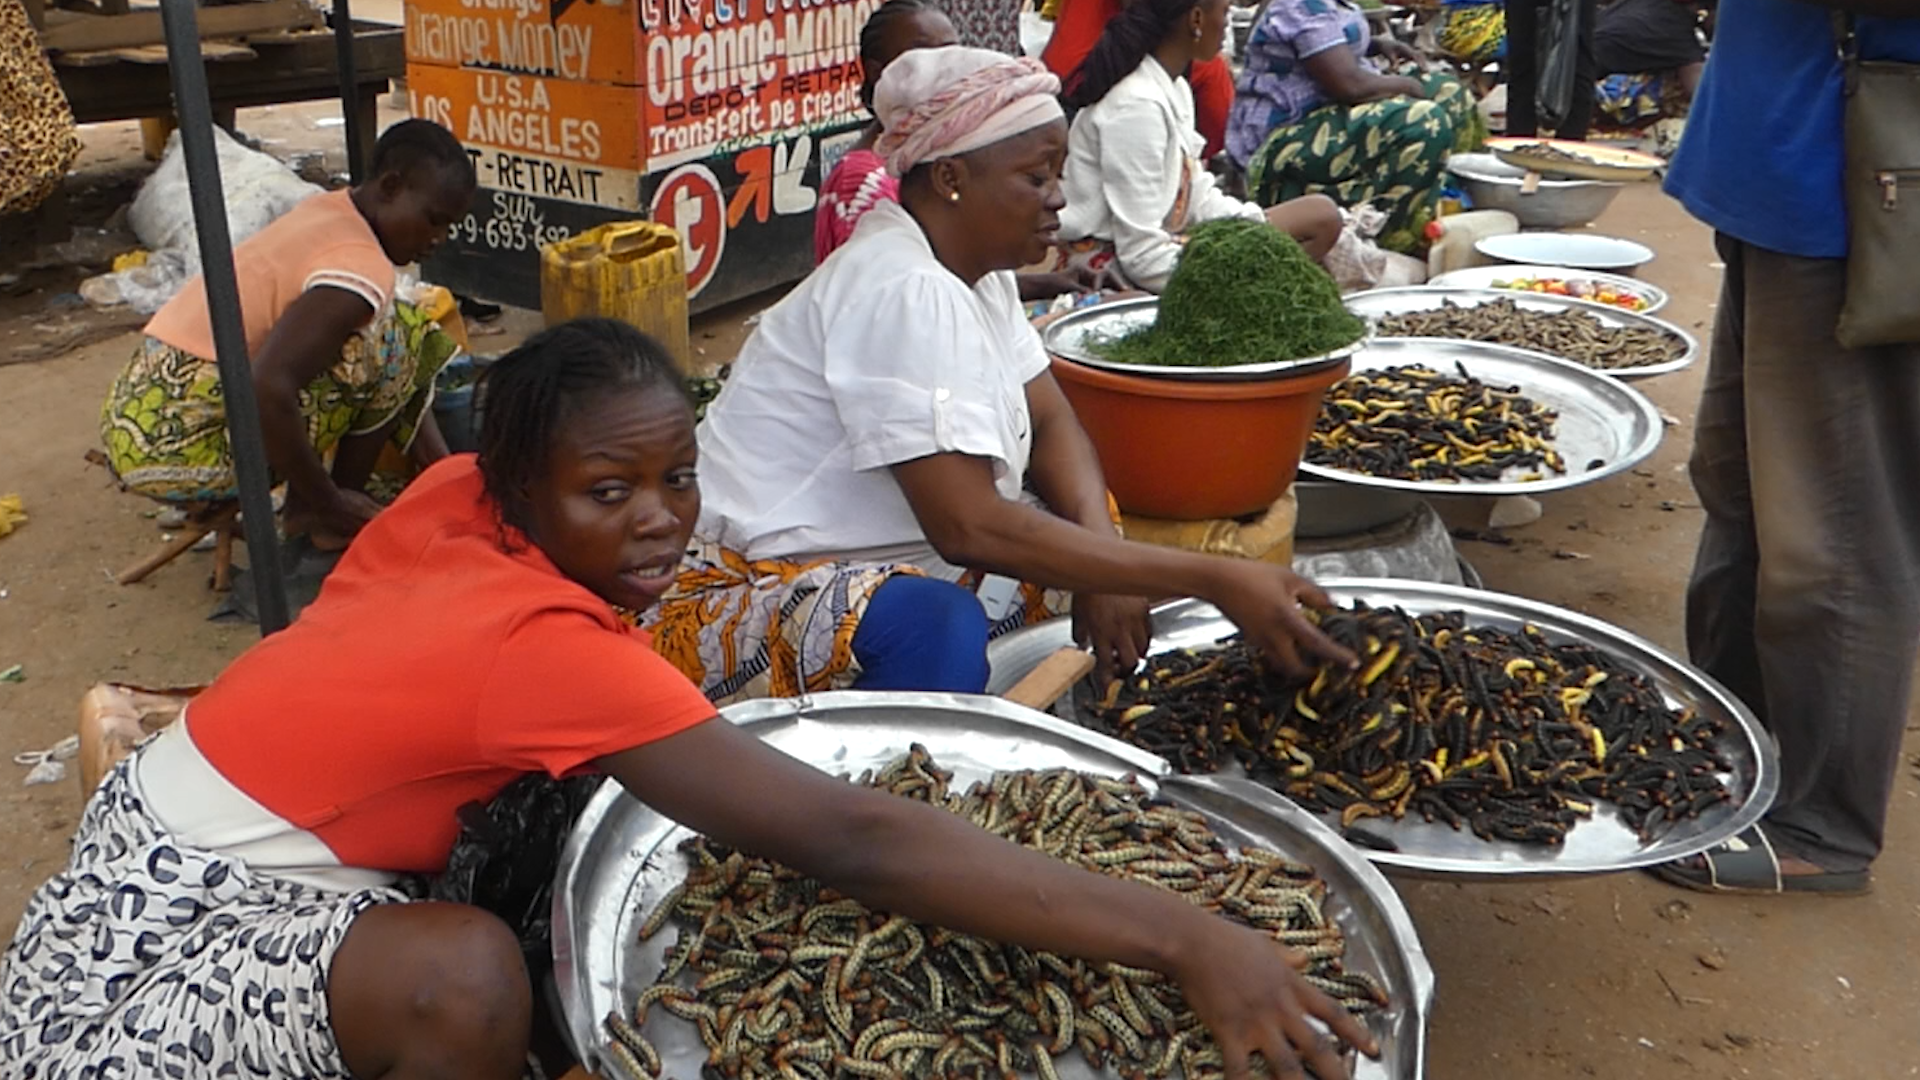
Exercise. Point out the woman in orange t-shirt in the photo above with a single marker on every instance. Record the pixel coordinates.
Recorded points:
(341, 365)
(227, 904)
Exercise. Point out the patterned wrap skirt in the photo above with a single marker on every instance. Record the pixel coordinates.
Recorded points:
(1390, 154)
(743, 628)
(147, 957)
(165, 420)
(1631, 102)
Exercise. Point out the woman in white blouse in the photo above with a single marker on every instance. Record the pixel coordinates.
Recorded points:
(1134, 179)
(867, 469)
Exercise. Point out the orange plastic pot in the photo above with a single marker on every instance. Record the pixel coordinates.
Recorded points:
(1189, 451)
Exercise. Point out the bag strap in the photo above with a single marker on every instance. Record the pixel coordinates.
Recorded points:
(1847, 42)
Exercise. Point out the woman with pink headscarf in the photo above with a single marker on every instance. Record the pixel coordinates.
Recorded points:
(860, 181)
(891, 451)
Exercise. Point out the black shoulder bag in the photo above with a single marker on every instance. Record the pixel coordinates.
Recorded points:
(1883, 196)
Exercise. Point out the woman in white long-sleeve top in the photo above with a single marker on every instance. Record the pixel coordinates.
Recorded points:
(1134, 179)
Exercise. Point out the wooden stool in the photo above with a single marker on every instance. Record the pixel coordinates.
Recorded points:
(113, 720)
(216, 518)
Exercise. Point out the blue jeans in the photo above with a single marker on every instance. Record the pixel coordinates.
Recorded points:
(922, 634)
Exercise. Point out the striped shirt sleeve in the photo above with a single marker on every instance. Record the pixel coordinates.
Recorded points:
(361, 269)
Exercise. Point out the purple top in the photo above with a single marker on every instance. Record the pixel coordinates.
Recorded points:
(1274, 88)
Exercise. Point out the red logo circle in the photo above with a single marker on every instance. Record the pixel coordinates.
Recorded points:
(689, 201)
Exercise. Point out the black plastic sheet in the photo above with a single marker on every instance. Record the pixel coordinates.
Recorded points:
(507, 854)
(1560, 60)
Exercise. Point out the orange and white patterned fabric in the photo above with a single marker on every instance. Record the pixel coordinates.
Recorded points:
(856, 185)
(743, 628)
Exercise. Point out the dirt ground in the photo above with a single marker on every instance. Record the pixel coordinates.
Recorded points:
(1611, 977)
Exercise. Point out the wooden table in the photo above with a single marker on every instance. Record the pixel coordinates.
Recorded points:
(283, 68)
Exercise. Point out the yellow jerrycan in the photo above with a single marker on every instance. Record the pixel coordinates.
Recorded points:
(627, 270)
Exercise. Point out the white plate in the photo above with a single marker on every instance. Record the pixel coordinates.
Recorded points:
(1072, 337)
(1566, 249)
(1483, 277)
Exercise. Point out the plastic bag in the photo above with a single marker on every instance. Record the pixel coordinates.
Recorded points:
(49, 766)
(145, 288)
(13, 513)
(508, 853)
(1559, 59)
(1356, 262)
(257, 187)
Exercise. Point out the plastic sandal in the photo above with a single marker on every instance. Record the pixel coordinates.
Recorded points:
(1748, 864)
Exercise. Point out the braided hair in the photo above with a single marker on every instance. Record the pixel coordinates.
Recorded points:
(1128, 39)
(416, 144)
(873, 40)
(530, 393)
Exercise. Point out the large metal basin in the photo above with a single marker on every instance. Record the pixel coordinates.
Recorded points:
(1492, 184)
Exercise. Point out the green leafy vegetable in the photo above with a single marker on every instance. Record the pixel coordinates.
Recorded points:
(1243, 293)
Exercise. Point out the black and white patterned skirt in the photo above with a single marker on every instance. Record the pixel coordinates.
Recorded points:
(146, 957)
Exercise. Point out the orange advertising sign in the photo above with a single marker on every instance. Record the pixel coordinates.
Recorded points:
(529, 135)
(717, 117)
(578, 40)
(723, 75)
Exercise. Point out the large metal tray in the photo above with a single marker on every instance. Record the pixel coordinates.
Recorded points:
(622, 858)
(1599, 845)
(1492, 184)
(1483, 277)
(1601, 419)
(1377, 303)
(1069, 336)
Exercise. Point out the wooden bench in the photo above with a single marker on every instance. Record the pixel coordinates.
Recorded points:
(131, 82)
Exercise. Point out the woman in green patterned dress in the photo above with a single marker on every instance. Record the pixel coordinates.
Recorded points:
(1314, 114)
(341, 366)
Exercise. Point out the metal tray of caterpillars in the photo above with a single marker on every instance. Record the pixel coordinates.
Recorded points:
(1601, 844)
(1605, 427)
(1376, 304)
(623, 857)
(1073, 336)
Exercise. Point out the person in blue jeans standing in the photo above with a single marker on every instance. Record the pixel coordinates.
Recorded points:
(1805, 595)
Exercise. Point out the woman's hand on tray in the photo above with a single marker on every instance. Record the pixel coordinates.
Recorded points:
(913, 859)
(1118, 628)
(1264, 601)
(1244, 987)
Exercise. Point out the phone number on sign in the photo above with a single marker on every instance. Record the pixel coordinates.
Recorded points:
(509, 234)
